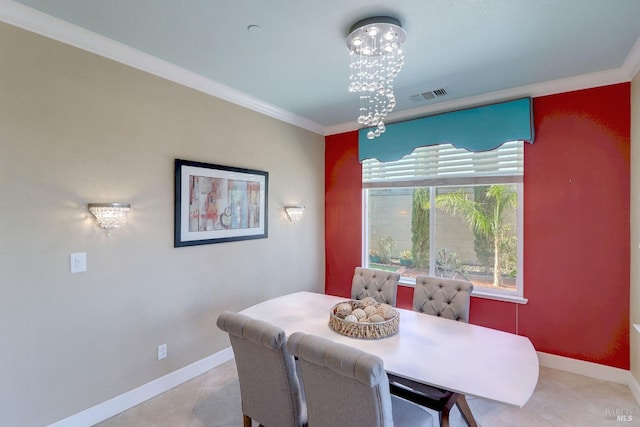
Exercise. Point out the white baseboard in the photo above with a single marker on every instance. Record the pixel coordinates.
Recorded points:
(588, 369)
(634, 387)
(145, 392)
(593, 370)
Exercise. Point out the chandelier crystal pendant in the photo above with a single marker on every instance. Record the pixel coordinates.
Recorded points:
(375, 47)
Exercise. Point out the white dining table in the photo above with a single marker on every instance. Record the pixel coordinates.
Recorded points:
(457, 356)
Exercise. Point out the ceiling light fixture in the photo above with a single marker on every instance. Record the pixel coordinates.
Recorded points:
(375, 47)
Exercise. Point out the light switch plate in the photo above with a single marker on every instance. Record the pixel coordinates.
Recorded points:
(78, 262)
(162, 351)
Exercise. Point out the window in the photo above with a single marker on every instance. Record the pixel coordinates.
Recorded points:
(448, 212)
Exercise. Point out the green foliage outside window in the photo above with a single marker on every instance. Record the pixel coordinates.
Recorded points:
(448, 264)
(420, 227)
(483, 244)
(485, 216)
(386, 245)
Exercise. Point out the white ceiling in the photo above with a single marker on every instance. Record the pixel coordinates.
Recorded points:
(296, 67)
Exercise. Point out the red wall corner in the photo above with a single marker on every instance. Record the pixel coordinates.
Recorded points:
(343, 212)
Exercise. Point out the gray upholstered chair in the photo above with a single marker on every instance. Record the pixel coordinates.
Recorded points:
(448, 298)
(348, 387)
(269, 386)
(441, 297)
(379, 284)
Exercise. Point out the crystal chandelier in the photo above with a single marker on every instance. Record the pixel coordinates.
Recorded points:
(375, 47)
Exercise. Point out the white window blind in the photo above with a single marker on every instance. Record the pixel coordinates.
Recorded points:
(445, 164)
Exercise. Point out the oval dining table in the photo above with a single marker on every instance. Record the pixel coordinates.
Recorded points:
(456, 356)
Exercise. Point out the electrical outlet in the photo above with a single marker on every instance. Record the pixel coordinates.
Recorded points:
(162, 351)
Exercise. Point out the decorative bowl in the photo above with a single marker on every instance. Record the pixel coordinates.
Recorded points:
(381, 323)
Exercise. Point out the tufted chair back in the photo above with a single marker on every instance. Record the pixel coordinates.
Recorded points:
(448, 298)
(269, 387)
(348, 387)
(379, 284)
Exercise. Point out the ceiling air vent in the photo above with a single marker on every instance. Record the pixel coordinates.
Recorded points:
(428, 96)
(438, 93)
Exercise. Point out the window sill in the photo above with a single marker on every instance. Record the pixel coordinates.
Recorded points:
(499, 297)
(485, 295)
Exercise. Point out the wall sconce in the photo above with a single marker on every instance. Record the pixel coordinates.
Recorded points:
(294, 213)
(110, 216)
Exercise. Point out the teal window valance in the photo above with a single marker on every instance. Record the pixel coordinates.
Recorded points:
(474, 129)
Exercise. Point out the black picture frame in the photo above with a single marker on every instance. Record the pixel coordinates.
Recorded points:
(217, 204)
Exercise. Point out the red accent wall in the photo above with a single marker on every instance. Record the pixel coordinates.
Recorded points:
(343, 212)
(576, 228)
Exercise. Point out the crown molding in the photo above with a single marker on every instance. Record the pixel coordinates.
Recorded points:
(32, 20)
(632, 63)
(626, 73)
(21, 16)
(585, 81)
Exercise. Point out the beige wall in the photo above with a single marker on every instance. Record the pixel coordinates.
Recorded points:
(77, 128)
(635, 226)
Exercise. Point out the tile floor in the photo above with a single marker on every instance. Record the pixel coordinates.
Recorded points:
(560, 399)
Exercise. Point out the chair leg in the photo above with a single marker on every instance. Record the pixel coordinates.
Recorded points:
(247, 421)
(465, 411)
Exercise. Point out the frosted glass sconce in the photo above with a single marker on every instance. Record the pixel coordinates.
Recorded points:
(110, 216)
(294, 213)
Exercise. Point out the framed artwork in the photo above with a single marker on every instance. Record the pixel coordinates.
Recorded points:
(215, 204)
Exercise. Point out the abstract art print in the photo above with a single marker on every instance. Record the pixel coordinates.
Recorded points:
(215, 203)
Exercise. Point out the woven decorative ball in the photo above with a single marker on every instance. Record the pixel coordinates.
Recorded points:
(343, 310)
(370, 309)
(360, 324)
(386, 311)
(376, 318)
(369, 301)
(356, 304)
(359, 313)
(383, 306)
